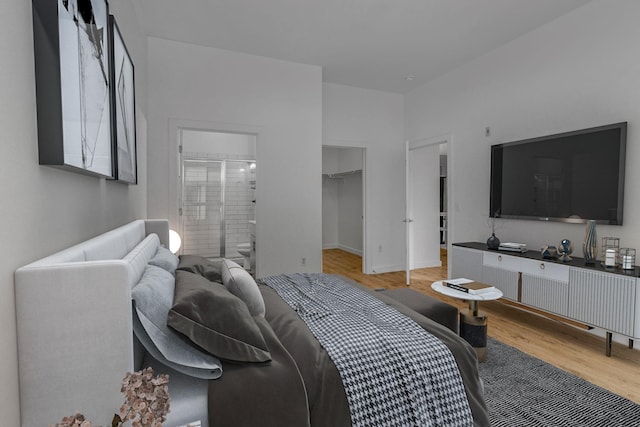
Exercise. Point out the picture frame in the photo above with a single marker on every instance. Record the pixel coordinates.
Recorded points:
(73, 100)
(123, 116)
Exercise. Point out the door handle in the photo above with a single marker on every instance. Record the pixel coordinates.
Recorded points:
(407, 220)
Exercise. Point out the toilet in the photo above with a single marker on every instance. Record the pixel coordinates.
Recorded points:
(244, 249)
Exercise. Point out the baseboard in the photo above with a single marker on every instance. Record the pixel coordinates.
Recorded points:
(329, 246)
(426, 264)
(387, 268)
(350, 250)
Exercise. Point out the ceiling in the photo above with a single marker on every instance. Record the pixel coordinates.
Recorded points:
(388, 45)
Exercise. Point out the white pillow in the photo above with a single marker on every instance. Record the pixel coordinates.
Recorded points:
(241, 284)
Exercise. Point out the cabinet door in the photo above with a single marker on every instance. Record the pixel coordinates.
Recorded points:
(604, 300)
(466, 263)
(505, 280)
(502, 271)
(545, 286)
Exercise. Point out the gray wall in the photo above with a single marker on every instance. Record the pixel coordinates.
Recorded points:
(44, 209)
(578, 71)
(279, 101)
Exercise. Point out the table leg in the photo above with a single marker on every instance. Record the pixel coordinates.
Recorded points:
(473, 329)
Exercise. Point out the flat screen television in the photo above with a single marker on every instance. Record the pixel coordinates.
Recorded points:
(568, 177)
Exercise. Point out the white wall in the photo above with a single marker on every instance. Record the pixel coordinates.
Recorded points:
(330, 235)
(373, 120)
(223, 143)
(279, 101)
(45, 209)
(580, 70)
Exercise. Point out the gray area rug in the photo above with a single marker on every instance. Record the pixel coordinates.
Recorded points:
(521, 390)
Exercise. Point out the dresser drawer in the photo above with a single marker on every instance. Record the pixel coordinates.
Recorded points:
(502, 261)
(545, 269)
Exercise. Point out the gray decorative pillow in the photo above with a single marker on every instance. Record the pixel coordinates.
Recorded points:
(211, 270)
(241, 284)
(216, 320)
(153, 296)
(165, 259)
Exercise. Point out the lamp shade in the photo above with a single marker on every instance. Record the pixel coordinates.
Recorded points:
(174, 241)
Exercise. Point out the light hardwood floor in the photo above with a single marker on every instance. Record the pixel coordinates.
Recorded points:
(567, 347)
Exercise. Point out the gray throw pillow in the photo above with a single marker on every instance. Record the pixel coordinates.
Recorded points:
(216, 320)
(165, 259)
(212, 270)
(153, 296)
(241, 284)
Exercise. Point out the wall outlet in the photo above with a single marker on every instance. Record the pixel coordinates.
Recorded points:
(303, 261)
(487, 131)
(379, 248)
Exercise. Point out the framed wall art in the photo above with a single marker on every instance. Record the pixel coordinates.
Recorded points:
(122, 108)
(73, 80)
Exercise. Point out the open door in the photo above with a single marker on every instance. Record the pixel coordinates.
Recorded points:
(407, 213)
(422, 205)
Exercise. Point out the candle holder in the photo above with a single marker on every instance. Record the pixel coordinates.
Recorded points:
(610, 251)
(628, 258)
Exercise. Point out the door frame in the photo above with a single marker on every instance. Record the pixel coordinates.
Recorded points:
(412, 145)
(175, 162)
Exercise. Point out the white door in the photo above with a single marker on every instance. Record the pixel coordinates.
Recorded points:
(422, 206)
(407, 212)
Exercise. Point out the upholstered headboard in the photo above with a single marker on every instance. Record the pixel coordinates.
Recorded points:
(74, 323)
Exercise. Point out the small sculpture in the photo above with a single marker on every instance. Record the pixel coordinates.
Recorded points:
(565, 249)
(549, 252)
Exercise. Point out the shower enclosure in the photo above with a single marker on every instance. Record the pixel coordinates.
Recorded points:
(217, 203)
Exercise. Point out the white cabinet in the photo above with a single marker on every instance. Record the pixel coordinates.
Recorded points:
(589, 294)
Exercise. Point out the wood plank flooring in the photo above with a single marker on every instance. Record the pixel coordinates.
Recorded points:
(567, 347)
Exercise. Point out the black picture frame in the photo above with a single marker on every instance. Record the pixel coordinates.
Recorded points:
(123, 108)
(73, 100)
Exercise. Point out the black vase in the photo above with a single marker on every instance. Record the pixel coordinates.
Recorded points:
(493, 242)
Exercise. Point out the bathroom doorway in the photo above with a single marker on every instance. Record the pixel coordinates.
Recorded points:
(218, 195)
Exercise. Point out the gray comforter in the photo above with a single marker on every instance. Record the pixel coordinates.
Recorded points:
(301, 386)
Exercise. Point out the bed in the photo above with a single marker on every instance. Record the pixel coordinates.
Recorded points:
(79, 333)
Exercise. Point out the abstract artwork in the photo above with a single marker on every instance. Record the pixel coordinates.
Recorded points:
(123, 108)
(73, 83)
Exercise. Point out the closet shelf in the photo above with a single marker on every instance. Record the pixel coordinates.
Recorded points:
(342, 174)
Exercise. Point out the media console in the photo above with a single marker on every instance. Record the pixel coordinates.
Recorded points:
(593, 295)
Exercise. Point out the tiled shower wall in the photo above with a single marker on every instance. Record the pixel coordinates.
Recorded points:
(202, 202)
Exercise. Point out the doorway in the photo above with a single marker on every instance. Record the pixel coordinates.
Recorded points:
(343, 199)
(217, 200)
(426, 204)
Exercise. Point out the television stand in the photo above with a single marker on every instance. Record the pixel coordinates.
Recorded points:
(592, 295)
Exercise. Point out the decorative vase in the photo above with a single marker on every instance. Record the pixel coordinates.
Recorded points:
(493, 242)
(590, 244)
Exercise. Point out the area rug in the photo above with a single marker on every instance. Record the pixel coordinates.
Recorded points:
(521, 390)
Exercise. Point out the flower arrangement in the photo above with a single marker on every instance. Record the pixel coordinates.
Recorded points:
(146, 402)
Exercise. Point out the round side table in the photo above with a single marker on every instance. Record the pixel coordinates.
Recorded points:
(473, 321)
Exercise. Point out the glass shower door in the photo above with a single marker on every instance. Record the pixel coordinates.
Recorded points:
(239, 195)
(202, 208)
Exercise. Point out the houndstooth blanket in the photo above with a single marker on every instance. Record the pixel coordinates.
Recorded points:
(394, 372)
